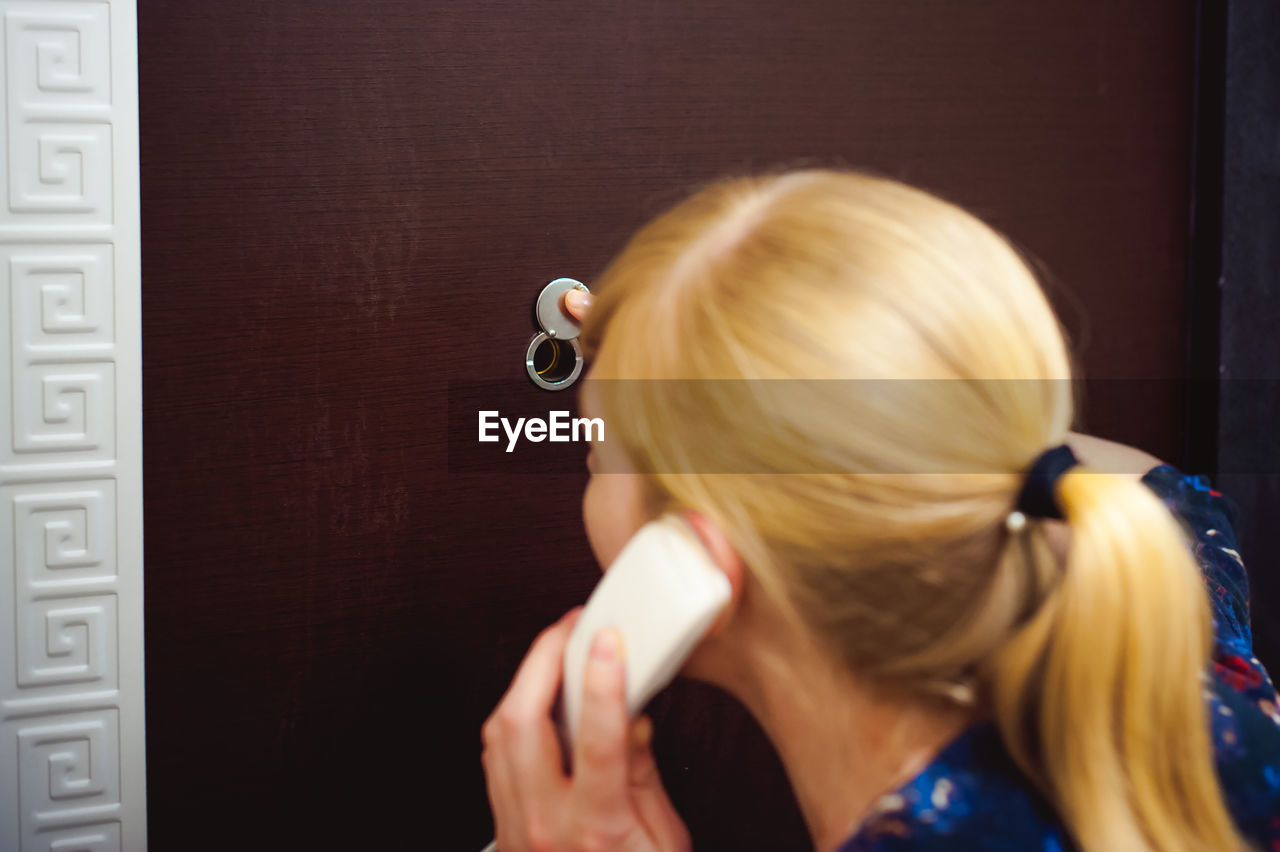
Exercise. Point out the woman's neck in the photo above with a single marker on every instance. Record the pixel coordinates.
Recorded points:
(842, 744)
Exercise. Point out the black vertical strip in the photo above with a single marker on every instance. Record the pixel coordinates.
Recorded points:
(1205, 262)
(1248, 453)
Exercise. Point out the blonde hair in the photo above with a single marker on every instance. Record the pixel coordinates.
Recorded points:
(884, 533)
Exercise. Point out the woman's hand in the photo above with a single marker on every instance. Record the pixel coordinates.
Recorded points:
(614, 799)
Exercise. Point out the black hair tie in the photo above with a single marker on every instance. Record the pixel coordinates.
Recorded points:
(1036, 498)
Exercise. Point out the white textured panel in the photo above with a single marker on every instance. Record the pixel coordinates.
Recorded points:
(69, 640)
(72, 758)
(82, 838)
(60, 301)
(63, 535)
(65, 408)
(70, 773)
(60, 168)
(58, 108)
(58, 55)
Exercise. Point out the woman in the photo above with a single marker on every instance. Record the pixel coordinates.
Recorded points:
(954, 635)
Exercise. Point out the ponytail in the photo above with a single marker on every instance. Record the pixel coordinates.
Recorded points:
(1100, 697)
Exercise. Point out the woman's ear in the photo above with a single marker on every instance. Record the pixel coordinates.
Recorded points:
(725, 557)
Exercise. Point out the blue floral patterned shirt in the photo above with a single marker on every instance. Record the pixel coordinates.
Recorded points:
(972, 796)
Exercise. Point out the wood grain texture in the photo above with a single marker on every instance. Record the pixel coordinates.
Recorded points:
(348, 208)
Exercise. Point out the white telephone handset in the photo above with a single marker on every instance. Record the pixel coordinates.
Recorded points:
(662, 593)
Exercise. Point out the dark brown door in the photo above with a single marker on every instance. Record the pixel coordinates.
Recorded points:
(348, 209)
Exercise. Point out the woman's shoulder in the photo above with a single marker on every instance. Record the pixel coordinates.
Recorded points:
(1210, 518)
(1243, 705)
(1208, 512)
(971, 796)
(1246, 745)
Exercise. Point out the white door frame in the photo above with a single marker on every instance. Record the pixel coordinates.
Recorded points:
(72, 755)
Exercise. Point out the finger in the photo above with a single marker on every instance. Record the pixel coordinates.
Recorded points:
(526, 760)
(577, 303)
(504, 803)
(601, 748)
(648, 795)
(642, 768)
(640, 733)
(527, 767)
(534, 687)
